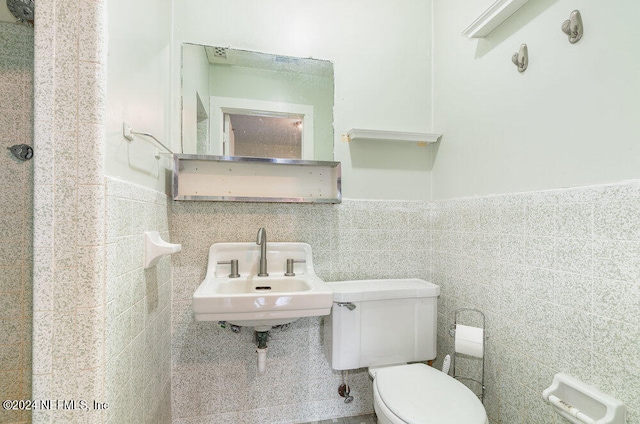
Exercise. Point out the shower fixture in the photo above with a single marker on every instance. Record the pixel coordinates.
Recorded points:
(23, 10)
(22, 152)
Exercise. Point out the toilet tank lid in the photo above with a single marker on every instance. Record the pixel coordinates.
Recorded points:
(363, 290)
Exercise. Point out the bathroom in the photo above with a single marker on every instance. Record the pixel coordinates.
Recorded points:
(526, 208)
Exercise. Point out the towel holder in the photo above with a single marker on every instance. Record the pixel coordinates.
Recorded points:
(128, 133)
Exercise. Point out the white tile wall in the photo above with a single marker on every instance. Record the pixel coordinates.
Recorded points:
(557, 273)
(214, 375)
(16, 216)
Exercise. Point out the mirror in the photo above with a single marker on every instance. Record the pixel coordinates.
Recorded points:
(244, 103)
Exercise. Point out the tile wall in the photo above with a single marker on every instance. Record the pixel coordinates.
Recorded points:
(556, 272)
(214, 378)
(138, 320)
(69, 207)
(558, 275)
(16, 216)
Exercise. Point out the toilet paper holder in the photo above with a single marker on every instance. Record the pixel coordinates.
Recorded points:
(452, 333)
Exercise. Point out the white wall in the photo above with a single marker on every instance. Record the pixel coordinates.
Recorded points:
(569, 120)
(381, 55)
(138, 88)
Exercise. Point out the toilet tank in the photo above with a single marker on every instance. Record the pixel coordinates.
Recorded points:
(394, 321)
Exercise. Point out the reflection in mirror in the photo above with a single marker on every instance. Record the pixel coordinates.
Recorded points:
(243, 103)
(263, 136)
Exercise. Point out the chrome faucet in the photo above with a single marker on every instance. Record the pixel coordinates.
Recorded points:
(262, 242)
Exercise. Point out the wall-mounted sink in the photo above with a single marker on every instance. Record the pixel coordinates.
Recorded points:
(261, 302)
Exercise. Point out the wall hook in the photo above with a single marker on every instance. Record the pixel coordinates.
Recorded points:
(521, 58)
(573, 27)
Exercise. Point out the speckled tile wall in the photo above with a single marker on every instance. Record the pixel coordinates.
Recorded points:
(69, 238)
(557, 273)
(214, 373)
(138, 320)
(16, 216)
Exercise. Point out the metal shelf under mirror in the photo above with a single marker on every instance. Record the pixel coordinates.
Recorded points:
(250, 179)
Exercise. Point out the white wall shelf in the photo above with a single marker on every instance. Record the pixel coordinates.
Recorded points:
(245, 179)
(393, 136)
(489, 20)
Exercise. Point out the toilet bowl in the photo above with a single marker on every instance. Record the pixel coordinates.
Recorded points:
(383, 323)
(420, 394)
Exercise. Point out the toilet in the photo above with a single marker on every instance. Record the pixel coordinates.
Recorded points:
(384, 325)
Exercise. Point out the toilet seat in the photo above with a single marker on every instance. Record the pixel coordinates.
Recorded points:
(419, 394)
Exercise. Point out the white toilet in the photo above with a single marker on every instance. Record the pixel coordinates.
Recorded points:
(382, 325)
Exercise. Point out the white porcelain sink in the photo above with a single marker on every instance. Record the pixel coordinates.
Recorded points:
(261, 302)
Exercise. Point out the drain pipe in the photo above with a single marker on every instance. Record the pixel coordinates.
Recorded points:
(261, 350)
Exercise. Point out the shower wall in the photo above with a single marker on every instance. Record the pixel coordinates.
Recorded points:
(69, 307)
(16, 217)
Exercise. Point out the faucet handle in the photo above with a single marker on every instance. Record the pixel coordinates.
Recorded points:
(290, 263)
(234, 267)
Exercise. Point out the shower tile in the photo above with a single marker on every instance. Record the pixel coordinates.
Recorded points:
(10, 42)
(10, 305)
(12, 330)
(92, 33)
(66, 96)
(43, 271)
(89, 347)
(64, 336)
(66, 154)
(65, 289)
(91, 222)
(43, 174)
(11, 280)
(43, 213)
(90, 156)
(15, 71)
(13, 99)
(10, 358)
(66, 30)
(92, 102)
